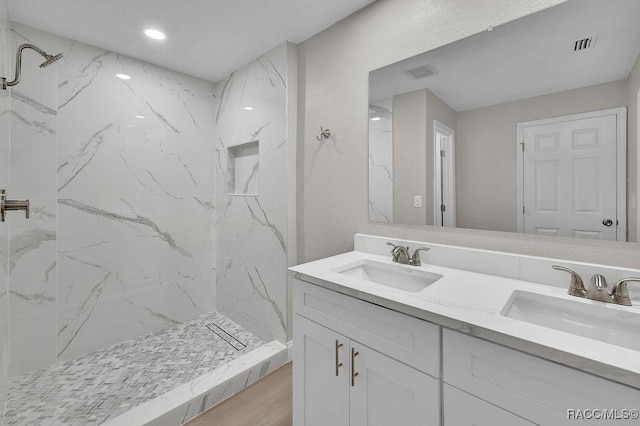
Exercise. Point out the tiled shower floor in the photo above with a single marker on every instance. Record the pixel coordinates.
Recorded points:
(101, 385)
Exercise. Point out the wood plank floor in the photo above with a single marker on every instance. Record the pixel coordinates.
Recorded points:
(267, 402)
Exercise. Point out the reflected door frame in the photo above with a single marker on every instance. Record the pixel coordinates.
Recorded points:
(621, 162)
(444, 179)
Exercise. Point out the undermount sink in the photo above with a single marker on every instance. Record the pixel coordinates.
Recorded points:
(606, 323)
(401, 277)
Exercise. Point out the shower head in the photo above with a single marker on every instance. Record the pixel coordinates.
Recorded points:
(49, 60)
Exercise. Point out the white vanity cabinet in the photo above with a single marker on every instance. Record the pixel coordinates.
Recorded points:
(357, 363)
(353, 363)
(488, 376)
(462, 409)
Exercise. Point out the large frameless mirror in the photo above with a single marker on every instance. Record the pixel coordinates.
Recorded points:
(529, 127)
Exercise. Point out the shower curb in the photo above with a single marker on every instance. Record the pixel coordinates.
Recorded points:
(187, 401)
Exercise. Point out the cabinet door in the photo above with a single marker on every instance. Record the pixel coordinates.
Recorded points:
(462, 409)
(386, 392)
(320, 383)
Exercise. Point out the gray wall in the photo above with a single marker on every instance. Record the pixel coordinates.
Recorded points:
(633, 82)
(413, 153)
(486, 150)
(409, 156)
(333, 92)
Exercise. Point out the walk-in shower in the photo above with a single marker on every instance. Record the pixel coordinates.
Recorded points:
(49, 59)
(138, 290)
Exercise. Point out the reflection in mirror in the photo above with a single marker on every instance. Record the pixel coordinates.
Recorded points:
(529, 127)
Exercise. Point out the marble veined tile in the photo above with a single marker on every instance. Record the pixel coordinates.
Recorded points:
(32, 329)
(120, 161)
(32, 292)
(381, 162)
(4, 313)
(32, 245)
(5, 141)
(251, 284)
(33, 153)
(167, 100)
(96, 311)
(261, 84)
(253, 233)
(113, 234)
(254, 298)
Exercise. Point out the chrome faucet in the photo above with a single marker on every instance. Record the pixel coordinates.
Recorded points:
(598, 289)
(9, 205)
(620, 294)
(401, 255)
(576, 288)
(415, 259)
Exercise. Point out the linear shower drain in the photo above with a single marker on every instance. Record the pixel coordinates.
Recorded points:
(224, 335)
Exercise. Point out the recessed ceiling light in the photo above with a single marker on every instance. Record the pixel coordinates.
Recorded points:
(139, 116)
(248, 108)
(376, 119)
(154, 34)
(123, 76)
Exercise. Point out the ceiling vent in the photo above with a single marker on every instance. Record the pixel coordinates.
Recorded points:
(420, 72)
(584, 44)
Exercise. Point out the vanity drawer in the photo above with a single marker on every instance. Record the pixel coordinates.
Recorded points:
(405, 338)
(476, 412)
(533, 388)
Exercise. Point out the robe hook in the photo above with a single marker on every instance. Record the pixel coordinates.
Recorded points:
(324, 134)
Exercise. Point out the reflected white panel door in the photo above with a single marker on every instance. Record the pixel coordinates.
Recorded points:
(569, 178)
(387, 392)
(444, 175)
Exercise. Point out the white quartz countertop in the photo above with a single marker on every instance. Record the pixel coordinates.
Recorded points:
(472, 302)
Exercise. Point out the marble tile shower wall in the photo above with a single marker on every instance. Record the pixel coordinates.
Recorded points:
(121, 239)
(251, 265)
(4, 230)
(381, 161)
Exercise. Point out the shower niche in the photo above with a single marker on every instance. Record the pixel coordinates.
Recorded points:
(243, 165)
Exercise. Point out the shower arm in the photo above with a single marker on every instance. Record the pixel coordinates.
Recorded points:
(16, 79)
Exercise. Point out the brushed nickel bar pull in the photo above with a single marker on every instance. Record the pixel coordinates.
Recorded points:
(338, 363)
(354, 374)
(8, 205)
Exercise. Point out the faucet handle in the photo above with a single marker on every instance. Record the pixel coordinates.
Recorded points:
(394, 251)
(620, 294)
(415, 259)
(598, 289)
(576, 288)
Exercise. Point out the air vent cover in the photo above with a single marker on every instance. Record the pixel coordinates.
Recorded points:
(420, 72)
(584, 44)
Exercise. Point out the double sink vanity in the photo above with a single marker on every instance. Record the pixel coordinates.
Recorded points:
(468, 337)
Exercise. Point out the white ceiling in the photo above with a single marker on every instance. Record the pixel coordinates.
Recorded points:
(525, 58)
(205, 38)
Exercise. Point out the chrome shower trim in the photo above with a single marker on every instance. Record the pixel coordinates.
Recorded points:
(49, 60)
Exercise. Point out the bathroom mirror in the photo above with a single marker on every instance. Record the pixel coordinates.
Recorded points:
(526, 127)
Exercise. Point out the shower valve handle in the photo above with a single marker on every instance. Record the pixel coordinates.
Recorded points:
(7, 205)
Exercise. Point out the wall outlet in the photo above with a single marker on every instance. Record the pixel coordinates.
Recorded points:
(417, 201)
